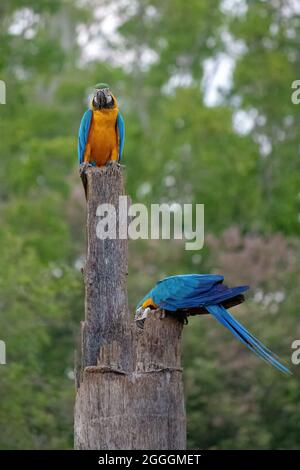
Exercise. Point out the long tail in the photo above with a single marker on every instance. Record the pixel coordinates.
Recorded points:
(224, 317)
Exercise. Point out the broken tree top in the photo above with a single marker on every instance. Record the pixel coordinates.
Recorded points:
(118, 362)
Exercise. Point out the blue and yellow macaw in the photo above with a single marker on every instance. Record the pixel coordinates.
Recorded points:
(203, 293)
(102, 130)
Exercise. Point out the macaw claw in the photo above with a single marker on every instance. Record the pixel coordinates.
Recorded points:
(83, 167)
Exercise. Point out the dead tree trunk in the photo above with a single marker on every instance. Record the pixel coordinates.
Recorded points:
(129, 385)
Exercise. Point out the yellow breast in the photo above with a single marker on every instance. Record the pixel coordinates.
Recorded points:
(102, 144)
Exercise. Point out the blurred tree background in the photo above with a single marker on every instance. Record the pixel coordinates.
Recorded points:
(205, 89)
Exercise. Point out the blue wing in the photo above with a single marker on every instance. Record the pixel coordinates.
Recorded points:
(226, 319)
(84, 133)
(121, 131)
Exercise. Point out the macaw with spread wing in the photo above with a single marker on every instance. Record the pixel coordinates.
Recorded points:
(192, 294)
(101, 132)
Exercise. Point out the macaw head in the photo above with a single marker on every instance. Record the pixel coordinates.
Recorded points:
(103, 98)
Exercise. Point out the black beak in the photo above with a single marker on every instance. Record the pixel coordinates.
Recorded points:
(99, 99)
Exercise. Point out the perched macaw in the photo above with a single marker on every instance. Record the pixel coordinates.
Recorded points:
(203, 293)
(102, 130)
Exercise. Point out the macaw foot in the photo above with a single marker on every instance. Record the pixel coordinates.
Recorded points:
(84, 166)
(162, 314)
(114, 164)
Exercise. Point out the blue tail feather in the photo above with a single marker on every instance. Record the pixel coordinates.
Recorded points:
(224, 317)
(258, 348)
(255, 340)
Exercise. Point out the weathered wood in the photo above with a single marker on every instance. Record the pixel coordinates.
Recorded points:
(130, 393)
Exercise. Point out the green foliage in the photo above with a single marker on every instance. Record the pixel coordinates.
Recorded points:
(177, 149)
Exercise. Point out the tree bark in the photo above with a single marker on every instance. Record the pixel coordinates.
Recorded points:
(129, 382)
